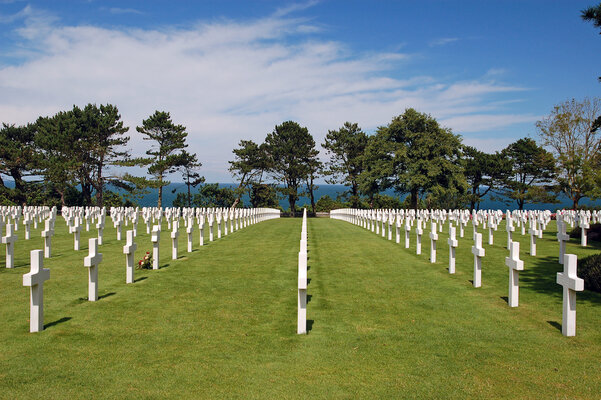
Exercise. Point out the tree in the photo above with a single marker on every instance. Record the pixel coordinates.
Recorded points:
(78, 145)
(289, 148)
(313, 169)
(263, 195)
(211, 195)
(59, 142)
(17, 160)
(418, 157)
(569, 132)
(376, 168)
(484, 173)
(592, 14)
(532, 172)
(346, 148)
(104, 134)
(189, 167)
(250, 161)
(165, 154)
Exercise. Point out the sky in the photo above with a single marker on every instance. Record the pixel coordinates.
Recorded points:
(233, 70)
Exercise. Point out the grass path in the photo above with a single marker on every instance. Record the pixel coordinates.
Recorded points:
(220, 322)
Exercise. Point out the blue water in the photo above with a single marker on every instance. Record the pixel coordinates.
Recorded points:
(334, 190)
(150, 199)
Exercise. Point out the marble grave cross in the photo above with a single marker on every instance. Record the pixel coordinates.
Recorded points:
(91, 262)
(35, 280)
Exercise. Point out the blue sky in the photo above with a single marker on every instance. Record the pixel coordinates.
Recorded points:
(231, 70)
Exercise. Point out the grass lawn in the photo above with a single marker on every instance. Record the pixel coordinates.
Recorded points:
(220, 322)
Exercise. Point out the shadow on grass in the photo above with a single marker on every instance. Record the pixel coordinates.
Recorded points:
(58, 321)
(310, 325)
(164, 266)
(555, 324)
(106, 295)
(505, 299)
(308, 281)
(542, 277)
(309, 298)
(140, 279)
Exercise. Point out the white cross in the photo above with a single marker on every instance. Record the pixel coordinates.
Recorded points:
(453, 243)
(490, 229)
(91, 262)
(190, 231)
(100, 227)
(515, 265)
(509, 228)
(478, 252)
(174, 236)
(76, 230)
(27, 222)
(35, 280)
(129, 250)
(47, 234)
(211, 220)
(562, 237)
(571, 284)
(118, 224)
(10, 240)
(155, 237)
(419, 231)
(533, 235)
(584, 226)
(433, 239)
(301, 327)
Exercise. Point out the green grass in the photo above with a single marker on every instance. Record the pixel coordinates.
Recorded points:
(220, 322)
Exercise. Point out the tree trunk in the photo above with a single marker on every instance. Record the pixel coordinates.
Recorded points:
(99, 188)
(160, 202)
(311, 196)
(189, 195)
(414, 199)
(19, 188)
(238, 191)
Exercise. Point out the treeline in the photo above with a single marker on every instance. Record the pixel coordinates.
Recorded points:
(415, 156)
(72, 157)
(76, 156)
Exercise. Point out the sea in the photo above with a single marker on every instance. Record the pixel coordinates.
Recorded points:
(170, 192)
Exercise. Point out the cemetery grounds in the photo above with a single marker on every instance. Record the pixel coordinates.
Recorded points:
(220, 322)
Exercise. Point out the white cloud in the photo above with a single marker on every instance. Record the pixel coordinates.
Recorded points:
(442, 41)
(117, 10)
(228, 80)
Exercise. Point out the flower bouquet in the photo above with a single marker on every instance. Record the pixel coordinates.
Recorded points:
(146, 262)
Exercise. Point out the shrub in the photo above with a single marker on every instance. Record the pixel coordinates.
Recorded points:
(594, 233)
(589, 269)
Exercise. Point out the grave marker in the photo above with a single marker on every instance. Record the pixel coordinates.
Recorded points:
(129, 250)
(478, 252)
(155, 238)
(515, 265)
(571, 284)
(35, 280)
(10, 240)
(91, 262)
(453, 243)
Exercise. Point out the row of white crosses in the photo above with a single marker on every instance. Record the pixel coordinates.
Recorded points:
(302, 279)
(38, 275)
(536, 220)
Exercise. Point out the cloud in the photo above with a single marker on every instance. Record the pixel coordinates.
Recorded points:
(284, 11)
(232, 80)
(117, 10)
(442, 41)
